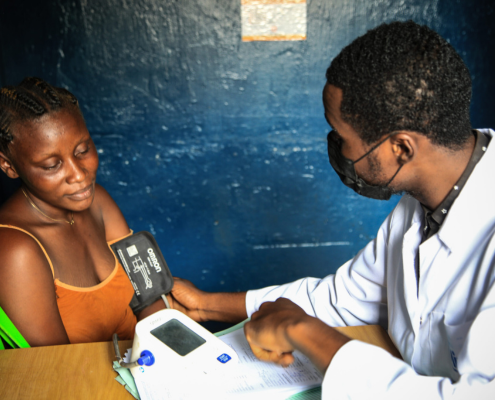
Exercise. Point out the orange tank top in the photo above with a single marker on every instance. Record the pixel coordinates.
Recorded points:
(95, 313)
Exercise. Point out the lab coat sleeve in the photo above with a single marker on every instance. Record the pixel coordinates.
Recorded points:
(362, 371)
(355, 295)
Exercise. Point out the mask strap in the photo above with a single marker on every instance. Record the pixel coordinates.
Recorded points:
(374, 147)
(391, 179)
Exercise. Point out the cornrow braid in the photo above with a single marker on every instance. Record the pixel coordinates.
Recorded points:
(46, 89)
(29, 101)
(70, 96)
(5, 135)
(18, 99)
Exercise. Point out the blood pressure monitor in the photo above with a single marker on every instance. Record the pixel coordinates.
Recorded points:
(169, 344)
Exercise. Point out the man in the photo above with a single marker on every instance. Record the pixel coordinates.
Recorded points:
(397, 99)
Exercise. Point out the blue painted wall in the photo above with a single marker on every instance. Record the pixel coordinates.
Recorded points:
(218, 146)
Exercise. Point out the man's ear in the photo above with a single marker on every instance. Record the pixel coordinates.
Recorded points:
(404, 146)
(7, 166)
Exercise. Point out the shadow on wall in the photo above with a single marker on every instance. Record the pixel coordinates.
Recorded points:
(7, 187)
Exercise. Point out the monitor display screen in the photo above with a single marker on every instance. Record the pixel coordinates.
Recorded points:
(178, 337)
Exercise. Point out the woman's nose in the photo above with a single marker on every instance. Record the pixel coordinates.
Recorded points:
(77, 172)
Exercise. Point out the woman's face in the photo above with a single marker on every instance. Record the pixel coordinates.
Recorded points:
(57, 160)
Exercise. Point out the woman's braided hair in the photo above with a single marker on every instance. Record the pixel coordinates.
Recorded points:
(404, 76)
(29, 101)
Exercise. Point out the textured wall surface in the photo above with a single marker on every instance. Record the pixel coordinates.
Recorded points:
(218, 146)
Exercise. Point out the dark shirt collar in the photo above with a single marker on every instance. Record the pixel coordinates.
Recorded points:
(433, 219)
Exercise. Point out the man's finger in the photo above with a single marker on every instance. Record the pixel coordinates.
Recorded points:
(283, 359)
(286, 359)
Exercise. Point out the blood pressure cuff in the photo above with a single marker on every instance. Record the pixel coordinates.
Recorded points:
(146, 268)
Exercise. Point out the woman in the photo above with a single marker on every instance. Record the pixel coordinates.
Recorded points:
(59, 281)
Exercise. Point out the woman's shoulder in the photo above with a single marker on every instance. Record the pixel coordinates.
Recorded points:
(20, 248)
(27, 291)
(113, 219)
(21, 252)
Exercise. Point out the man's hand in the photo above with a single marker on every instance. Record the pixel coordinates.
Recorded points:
(267, 332)
(204, 306)
(188, 299)
(184, 297)
(278, 328)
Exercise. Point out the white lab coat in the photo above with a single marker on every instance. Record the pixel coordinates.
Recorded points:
(446, 333)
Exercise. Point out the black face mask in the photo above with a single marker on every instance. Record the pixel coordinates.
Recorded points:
(347, 173)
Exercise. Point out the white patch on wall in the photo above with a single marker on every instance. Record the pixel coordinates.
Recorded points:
(272, 20)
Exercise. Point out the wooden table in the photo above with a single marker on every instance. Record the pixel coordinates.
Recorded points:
(84, 371)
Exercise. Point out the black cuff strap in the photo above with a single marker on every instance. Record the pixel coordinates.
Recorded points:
(146, 268)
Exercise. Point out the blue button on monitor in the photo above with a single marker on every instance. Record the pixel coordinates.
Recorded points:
(146, 358)
(224, 358)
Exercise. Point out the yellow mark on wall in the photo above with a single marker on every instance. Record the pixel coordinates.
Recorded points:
(273, 20)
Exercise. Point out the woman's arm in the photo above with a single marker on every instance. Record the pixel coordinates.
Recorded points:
(228, 307)
(27, 291)
(115, 228)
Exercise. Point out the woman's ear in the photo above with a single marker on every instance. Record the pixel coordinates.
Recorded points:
(7, 166)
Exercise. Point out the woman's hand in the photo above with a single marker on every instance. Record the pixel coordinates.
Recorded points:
(280, 327)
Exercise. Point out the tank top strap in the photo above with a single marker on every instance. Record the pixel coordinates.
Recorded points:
(37, 241)
(120, 238)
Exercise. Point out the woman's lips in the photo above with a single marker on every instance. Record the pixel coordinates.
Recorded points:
(82, 194)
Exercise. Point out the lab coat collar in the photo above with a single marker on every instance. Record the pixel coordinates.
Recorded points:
(472, 215)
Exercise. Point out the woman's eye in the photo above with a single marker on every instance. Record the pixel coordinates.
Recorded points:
(83, 151)
(52, 167)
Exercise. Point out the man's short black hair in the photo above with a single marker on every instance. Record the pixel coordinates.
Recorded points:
(403, 76)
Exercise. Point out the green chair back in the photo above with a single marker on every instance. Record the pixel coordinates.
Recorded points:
(9, 333)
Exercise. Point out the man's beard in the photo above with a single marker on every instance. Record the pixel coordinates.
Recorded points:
(376, 176)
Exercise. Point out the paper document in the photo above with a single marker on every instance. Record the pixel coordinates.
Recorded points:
(251, 378)
(265, 379)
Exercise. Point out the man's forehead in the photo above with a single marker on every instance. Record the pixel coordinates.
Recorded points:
(332, 97)
(332, 94)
